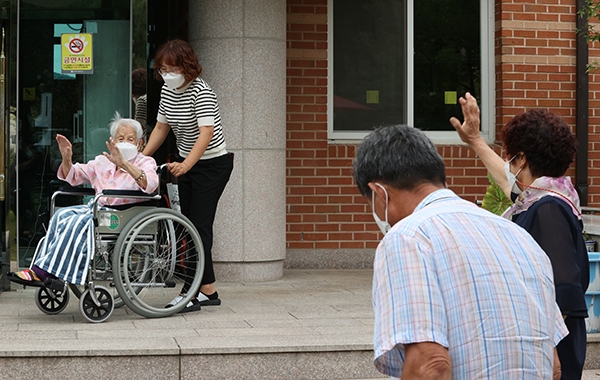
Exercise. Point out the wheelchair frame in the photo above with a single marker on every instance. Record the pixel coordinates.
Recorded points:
(153, 251)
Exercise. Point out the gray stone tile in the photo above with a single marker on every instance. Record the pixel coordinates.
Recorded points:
(95, 347)
(36, 338)
(7, 326)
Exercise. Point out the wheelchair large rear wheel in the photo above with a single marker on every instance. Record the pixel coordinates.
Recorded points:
(159, 251)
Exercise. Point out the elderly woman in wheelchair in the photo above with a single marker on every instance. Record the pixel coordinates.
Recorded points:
(69, 232)
(150, 252)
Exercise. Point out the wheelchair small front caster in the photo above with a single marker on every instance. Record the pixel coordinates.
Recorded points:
(51, 301)
(100, 311)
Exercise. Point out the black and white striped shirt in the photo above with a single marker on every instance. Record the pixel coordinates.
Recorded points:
(187, 109)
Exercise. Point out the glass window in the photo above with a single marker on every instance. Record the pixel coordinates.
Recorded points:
(408, 62)
(369, 64)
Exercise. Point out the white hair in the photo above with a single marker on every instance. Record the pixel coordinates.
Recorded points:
(118, 121)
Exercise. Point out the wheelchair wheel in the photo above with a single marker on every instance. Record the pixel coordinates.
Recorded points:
(96, 311)
(159, 251)
(78, 290)
(51, 301)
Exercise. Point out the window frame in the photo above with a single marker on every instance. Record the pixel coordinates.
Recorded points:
(488, 129)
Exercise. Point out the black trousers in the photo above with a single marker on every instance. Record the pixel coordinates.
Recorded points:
(199, 192)
(571, 350)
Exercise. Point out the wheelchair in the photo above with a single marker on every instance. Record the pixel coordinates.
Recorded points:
(142, 257)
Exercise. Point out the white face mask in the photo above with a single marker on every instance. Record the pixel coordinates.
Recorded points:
(512, 178)
(128, 150)
(383, 226)
(173, 81)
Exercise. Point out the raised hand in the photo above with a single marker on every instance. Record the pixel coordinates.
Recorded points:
(468, 131)
(65, 147)
(115, 155)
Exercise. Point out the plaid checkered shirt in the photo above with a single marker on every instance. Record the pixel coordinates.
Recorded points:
(475, 283)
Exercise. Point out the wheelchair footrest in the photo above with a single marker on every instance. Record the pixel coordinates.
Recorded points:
(166, 284)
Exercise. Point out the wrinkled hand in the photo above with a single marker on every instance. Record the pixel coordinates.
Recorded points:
(115, 155)
(65, 147)
(468, 131)
(178, 168)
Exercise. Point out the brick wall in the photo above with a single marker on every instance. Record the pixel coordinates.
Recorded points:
(535, 67)
(324, 209)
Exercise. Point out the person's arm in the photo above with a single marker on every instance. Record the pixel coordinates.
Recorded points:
(136, 173)
(116, 158)
(157, 137)
(557, 369)
(426, 360)
(469, 133)
(180, 168)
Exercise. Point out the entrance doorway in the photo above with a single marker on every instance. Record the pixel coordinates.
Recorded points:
(52, 100)
(42, 99)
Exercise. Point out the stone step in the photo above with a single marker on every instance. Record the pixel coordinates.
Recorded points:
(592, 358)
(350, 364)
(312, 324)
(169, 359)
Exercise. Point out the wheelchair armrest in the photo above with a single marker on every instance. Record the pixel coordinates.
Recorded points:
(128, 193)
(66, 190)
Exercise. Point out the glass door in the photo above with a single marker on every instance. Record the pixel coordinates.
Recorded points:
(53, 99)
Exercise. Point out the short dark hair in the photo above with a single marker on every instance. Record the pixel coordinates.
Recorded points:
(177, 53)
(399, 156)
(138, 82)
(544, 138)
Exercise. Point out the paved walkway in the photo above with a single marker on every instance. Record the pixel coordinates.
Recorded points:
(312, 306)
(308, 310)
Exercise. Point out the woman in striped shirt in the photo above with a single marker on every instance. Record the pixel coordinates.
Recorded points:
(189, 108)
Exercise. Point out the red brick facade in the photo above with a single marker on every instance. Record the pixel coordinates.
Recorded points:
(535, 68)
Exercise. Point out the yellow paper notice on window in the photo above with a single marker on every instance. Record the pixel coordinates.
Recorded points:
(372, 97)
(450, 97)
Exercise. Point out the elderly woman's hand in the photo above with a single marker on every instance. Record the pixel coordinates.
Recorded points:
(65, 147)
(468, 131)
(115, 155)
(66, 151)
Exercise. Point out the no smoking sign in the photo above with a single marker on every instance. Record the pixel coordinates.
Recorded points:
(76, 46)
(76, 53)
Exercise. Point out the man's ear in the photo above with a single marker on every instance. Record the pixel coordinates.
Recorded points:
(378, 190)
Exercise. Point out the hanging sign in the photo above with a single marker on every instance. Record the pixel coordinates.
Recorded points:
(76, 53)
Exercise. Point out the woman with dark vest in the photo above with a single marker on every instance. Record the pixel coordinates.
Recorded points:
(539, 148)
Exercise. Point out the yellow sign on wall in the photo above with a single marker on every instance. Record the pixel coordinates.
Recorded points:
(76, 53)
(28, 93)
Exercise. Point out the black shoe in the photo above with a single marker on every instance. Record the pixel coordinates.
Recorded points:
(210, 300)
(193, 305)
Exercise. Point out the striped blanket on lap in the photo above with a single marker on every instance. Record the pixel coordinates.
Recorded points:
(66, 251)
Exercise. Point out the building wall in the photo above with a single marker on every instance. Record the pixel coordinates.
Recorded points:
(535, 67)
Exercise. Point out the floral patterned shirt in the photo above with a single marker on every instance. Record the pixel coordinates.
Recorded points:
(104, 175)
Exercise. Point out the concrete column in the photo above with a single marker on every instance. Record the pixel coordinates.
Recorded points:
(241, 45)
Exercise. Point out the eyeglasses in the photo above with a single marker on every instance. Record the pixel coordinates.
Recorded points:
(169, 70)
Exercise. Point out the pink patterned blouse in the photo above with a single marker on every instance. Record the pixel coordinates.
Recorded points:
(104, 175)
